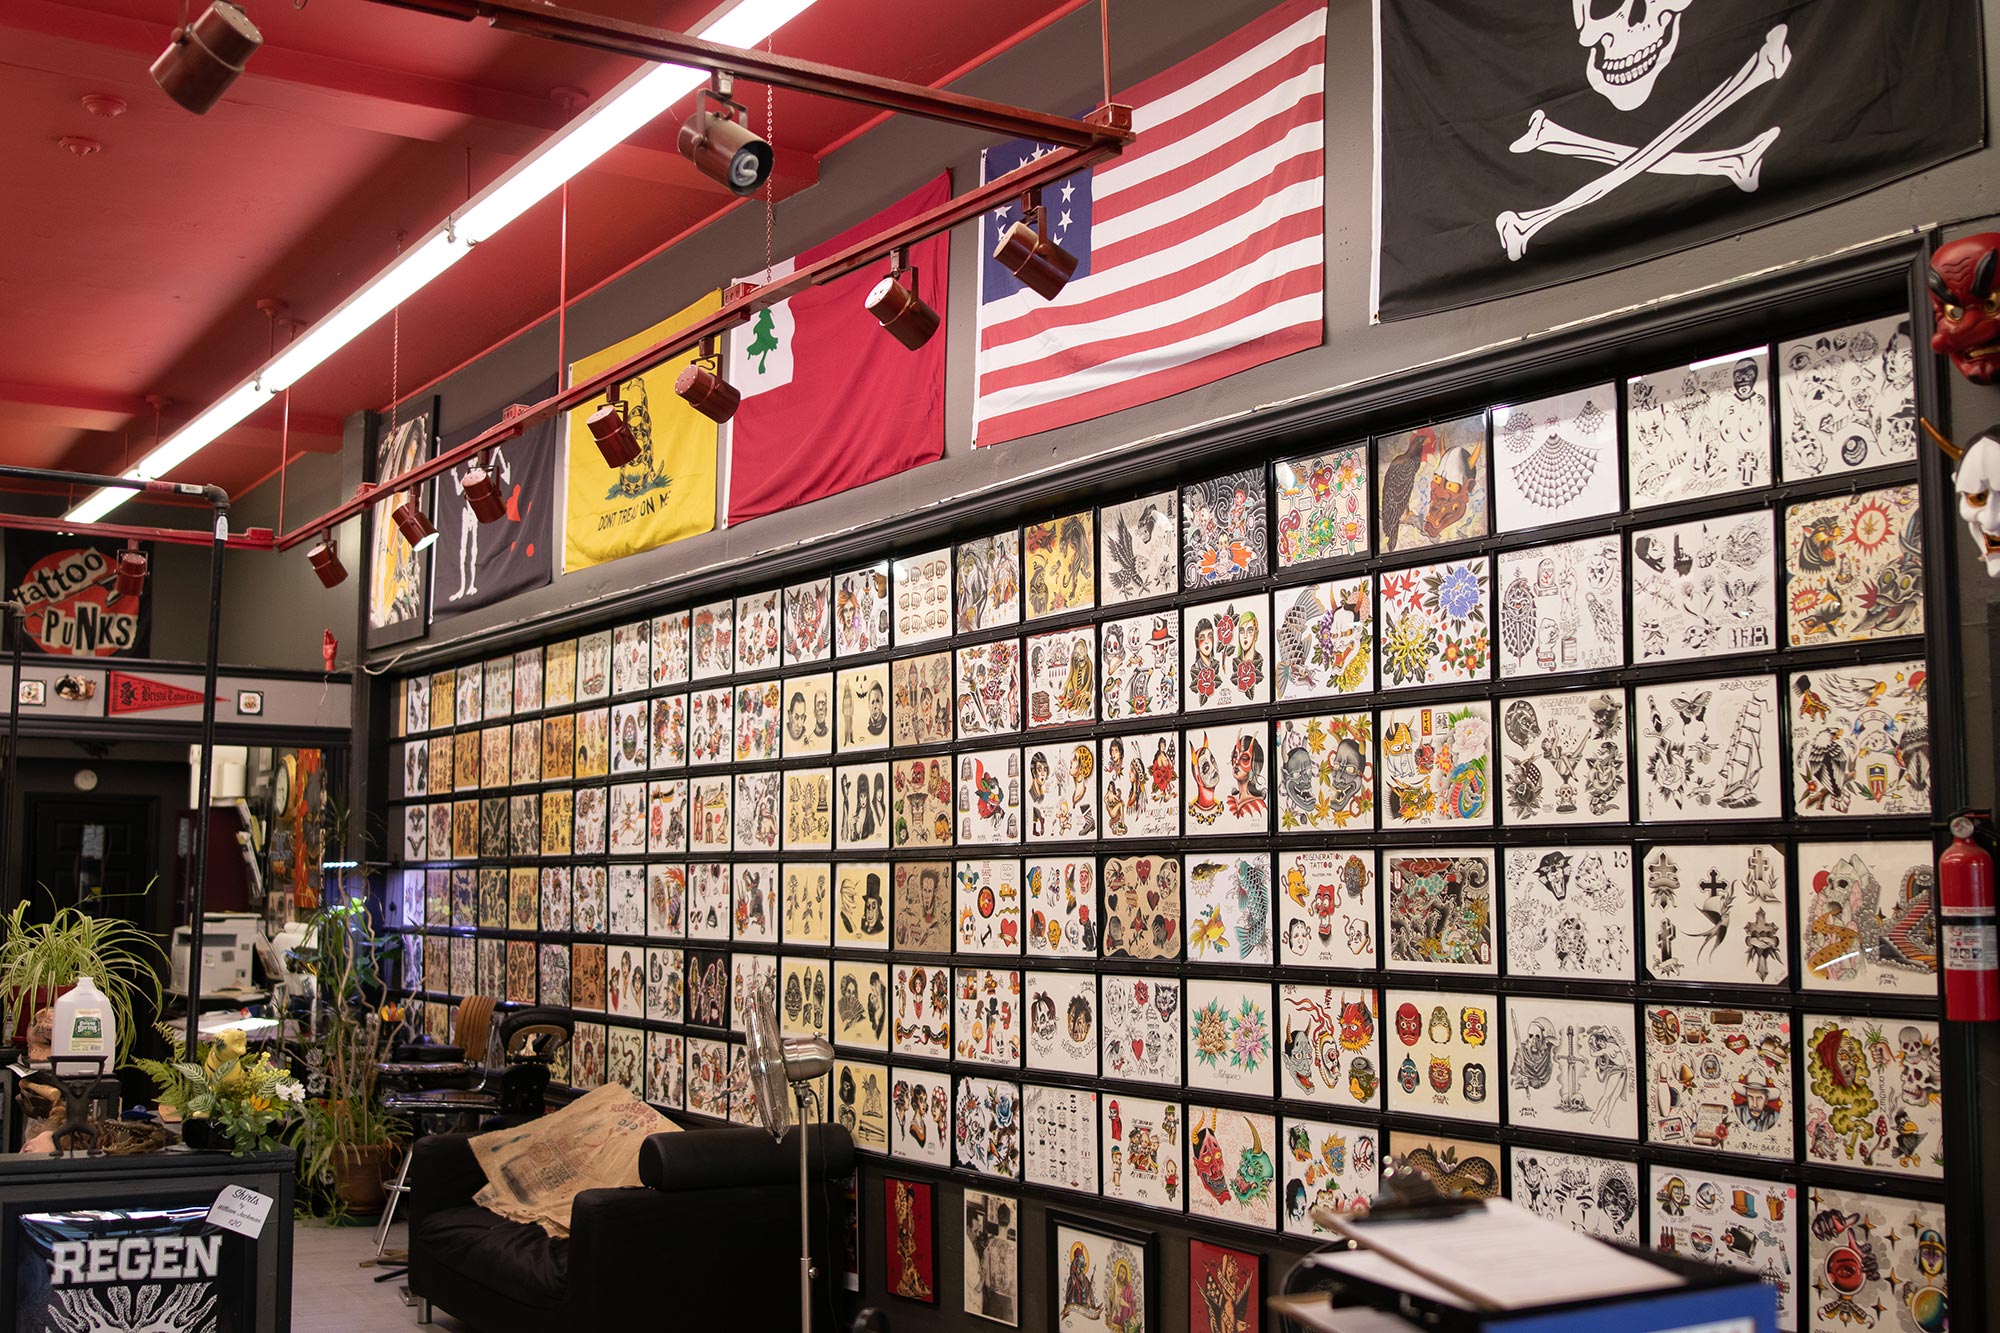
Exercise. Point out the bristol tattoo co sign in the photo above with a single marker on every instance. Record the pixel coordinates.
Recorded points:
(70, 590)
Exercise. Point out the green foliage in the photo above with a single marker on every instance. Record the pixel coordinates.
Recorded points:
(38, 959)
(245, 1095)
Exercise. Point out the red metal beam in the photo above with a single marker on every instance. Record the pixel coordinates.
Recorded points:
(580, 28)
(251, 539)
(745, 303)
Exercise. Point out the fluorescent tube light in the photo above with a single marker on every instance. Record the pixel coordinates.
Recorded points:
(613, 119)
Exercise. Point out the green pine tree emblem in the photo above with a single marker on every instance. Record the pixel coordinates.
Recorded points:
(765, 340)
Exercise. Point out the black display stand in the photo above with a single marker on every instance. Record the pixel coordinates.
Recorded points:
(254, 1293)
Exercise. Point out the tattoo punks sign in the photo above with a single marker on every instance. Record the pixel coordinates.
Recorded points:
(70, 590)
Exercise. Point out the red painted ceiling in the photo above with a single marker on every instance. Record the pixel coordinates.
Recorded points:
(136, 269)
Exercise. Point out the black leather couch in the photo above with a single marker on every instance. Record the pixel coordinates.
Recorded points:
(710, 1239)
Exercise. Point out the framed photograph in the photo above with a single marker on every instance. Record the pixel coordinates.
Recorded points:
(1432, 483)
(1434, 626)
(1226, 647)
(1224, 523)
(1556, 459)
(1861, 741)
(989, 582)
(1101, 1275)
(1563, 758)
(1335, 1167)
(861, 705)
(1060, 565)
(1569, 912)
(923, 906)
(992, 1257)
(1847, 399)
(922, 591)
(1562, 608)
(1225, 1289)
(808, 621)
(921, 1103)
(988, 907)
(1572, 1066)
(714, 651)
(1061, 1134)
(1700, 430)
(988, 1132)
(910, 1233)
(1699, 895)
(861, 610)
(1330, 1039)
(1441, 1056)
(249, 703)
(1854, 568)
(1138, 549)
(921, 688)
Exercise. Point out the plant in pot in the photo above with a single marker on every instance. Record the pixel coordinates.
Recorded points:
(40, 960)
(225, 1094)
(347, 1143)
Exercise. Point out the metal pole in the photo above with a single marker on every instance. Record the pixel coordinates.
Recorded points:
(198, 891)
(805, 1226)
(18, 612)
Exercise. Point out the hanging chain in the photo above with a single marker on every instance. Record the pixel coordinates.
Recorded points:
(770, 181)
(395, 352)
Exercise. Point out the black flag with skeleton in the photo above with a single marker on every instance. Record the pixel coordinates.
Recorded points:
(478, 564)
(1522, 143)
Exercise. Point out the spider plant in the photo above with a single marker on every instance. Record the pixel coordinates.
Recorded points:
(37, 959)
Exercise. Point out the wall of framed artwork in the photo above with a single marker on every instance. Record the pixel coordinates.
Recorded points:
(1194, 909)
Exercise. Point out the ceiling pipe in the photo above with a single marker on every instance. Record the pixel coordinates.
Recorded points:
(743, 302)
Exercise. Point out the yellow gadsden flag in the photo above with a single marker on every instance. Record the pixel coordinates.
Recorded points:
(669, 493)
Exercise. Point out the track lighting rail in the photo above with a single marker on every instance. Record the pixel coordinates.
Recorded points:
(741, 304)
(581, 28)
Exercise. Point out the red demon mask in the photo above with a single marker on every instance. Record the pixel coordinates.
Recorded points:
(1966, 305)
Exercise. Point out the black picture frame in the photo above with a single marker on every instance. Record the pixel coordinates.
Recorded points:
(928, 1192)
(413, 441)
(1058, 1263)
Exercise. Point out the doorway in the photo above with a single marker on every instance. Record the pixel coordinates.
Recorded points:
(99, 853)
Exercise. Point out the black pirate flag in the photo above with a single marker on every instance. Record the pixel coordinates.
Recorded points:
(478, 564)
(1523, 143)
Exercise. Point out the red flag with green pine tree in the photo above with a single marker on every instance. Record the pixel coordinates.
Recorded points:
(830, 400)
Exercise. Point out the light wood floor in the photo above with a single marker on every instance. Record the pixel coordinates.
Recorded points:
(331, 1293)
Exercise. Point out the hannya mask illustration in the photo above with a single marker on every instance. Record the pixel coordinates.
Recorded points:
(1964, 280)
(1409, 1024)
(1978, 485)
(1630, 43)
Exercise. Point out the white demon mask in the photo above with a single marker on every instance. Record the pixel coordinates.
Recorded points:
(1630, 43)
(1978, 483)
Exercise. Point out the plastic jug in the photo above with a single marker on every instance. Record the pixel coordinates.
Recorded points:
(85, 1025)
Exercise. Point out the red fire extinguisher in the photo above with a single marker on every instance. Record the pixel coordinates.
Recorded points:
(1965, 904)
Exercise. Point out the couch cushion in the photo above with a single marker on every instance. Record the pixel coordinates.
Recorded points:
(517, 1259)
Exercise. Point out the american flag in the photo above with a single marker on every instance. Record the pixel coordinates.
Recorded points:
(1200, 250)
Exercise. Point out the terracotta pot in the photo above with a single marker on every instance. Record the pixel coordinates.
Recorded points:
(360, 1176)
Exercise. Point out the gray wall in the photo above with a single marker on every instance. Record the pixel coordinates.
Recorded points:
(1057, 70)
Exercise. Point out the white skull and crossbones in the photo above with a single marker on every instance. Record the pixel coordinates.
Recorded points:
(1978, 485)
(1631, 42)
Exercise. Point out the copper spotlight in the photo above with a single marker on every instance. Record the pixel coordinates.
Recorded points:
(131, 572)
(482, 497)
(413, 523)
(612, 430)
(1027, 252)
(704, 389)
(721, 146)
(325, 562)
(205, 57)
(898, 308)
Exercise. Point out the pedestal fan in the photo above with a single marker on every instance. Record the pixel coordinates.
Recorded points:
(776, 1065)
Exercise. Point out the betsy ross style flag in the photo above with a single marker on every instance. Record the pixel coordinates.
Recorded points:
(1200, 250)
